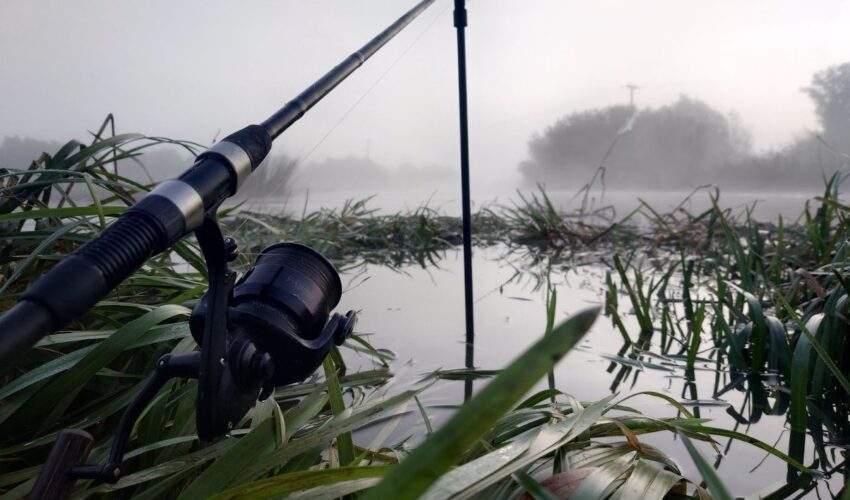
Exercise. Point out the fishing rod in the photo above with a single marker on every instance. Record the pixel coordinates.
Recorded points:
(272, 327)
(167, 214)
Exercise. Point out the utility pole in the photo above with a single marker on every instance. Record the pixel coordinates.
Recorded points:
(632, 87)
(460, 24)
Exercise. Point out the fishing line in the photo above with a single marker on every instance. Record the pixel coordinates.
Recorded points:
(301, 160)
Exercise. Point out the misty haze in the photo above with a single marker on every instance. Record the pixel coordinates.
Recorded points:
(424, 249)
(676, 147)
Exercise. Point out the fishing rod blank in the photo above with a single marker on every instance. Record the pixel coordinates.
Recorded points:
(172, 210)
(295, 108)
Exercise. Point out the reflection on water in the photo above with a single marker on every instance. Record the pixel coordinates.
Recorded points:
(418, 313)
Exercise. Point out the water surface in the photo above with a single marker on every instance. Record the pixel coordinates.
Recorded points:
(418, 314)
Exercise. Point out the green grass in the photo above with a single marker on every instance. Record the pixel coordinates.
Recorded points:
(777, 302)
(721, 289)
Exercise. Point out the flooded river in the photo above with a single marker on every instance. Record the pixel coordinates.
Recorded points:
(418, 314)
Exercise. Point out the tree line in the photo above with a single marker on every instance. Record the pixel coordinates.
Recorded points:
(688, 143)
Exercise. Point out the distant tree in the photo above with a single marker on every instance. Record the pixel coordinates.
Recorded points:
(17, 152)
(806, 161)
(682, 143)
(350, 172)
(673, 146)
(830, 91)
(575, 144)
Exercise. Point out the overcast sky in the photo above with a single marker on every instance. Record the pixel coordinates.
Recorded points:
(187, 69)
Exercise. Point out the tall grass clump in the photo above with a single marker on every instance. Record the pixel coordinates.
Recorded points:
(767, 304)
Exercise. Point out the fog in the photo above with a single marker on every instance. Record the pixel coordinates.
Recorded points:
(197, 70)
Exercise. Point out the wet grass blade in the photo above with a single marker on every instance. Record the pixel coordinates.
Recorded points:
(356, 417)
(647, 480)
(536, 490)
(425, 418)
(96, 200)
(527, 448)
(37, 253)
(604, 480)
(709, 475)
(67, 212)
(696, 337)
(551, 309)
(445, 447)
(55, 395)
(305, 481)
(824, 355)
(344, 442)
(226, 470)
(716, 431)
(798, 413)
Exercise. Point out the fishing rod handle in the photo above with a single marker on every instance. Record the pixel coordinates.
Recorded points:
(150, 226)
(54, 481)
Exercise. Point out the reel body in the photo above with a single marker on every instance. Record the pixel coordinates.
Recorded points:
(277, 331)
(273, 327)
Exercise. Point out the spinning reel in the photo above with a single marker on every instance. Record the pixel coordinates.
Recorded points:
(271, 328)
